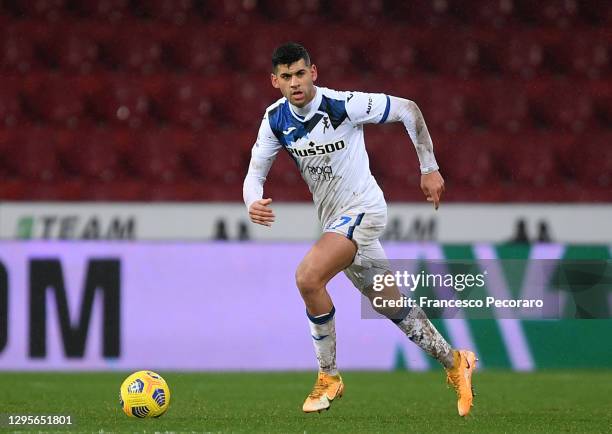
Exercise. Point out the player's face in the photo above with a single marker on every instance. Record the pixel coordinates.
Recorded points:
(295, 82)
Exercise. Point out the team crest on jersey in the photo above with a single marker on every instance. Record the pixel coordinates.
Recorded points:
(325, 124)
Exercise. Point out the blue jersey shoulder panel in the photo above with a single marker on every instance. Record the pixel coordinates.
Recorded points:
(335, 109)
(286, 127)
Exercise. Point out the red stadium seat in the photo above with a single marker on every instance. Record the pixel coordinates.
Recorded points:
(601, 92)
(590, 161)
(58, 101)
(398, 54)
(380, 140)
(158, 155)
(392, 157)
(11, 110)
(34, 155)
(445, 104)
(200, 50)
(136, 49)
(74, 51)
(232, 11)
(561, 105)
(194, 102)
(586, 54)
(422, 13)
(98, 96)
(296, 11)
(522, 55)
(123, 102)
(469, 163)
(219, 157)
(6, 12)
(177, 12)
(95, 155)
(548, 12)
(535, 161)
(501, 105)
(596, 12)
(468, 160)
(184, 191)
(460, 54)
(50, 10)
(55, 190)
(416, 89)
(9, 137)
(337, 51)
(121, 190)
(18, 53)
(229, 192)
(14, 189)
(257, 96)
(106, 10)
(489, 13)
(362, 14)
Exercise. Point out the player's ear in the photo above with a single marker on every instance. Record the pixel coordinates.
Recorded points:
(313, 71)
(274, 80)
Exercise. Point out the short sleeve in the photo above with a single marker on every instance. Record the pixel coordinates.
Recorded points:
(367, 108)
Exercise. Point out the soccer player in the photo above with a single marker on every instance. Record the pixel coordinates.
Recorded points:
(322, 130)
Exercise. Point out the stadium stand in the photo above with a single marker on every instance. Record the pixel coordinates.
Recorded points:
(161, 100)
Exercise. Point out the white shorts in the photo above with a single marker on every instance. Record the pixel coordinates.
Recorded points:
(365, 229)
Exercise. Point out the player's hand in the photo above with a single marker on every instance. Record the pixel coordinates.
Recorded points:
(432, 185)
(261, 213)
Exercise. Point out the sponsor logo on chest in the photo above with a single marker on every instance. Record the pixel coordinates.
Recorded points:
(312, 149)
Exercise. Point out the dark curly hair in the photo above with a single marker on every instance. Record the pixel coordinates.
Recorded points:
(289, 53)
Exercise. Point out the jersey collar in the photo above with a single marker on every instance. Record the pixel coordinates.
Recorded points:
(303, 114)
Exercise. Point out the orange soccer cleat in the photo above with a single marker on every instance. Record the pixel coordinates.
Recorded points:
(460, 377)
(326, 389)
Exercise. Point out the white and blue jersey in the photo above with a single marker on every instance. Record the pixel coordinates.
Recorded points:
(327, 144)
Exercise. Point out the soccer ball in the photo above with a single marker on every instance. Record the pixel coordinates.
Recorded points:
(144, 394)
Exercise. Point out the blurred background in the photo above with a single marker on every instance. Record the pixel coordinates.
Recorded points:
(128, 100)
(134, 120)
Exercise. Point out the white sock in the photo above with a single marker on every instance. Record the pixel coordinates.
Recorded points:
(323, 331)
(422, 332)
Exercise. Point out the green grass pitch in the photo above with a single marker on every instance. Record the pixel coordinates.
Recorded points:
(374, 402)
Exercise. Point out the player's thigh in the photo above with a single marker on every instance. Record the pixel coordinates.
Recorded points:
(331, 254)
(369, 263)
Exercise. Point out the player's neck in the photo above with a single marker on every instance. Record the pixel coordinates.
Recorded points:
(305, 110)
